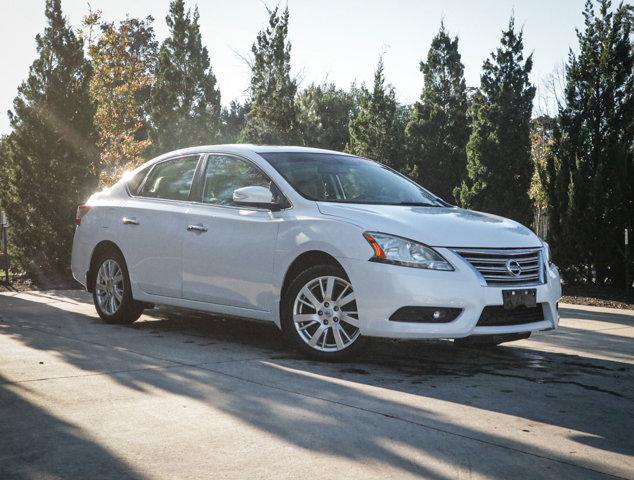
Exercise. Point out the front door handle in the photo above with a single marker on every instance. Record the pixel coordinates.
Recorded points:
(130, 221)
(197, 228)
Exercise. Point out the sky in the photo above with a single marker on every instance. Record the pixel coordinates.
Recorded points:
(334, 40)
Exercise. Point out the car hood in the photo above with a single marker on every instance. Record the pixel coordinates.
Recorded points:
(436, 226)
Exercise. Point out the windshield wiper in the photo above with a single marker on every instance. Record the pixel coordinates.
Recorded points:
(416, 204)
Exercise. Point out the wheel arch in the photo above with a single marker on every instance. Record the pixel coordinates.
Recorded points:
(302, 262)
(101, 247)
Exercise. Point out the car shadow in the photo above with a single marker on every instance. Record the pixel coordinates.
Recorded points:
(625, 319)
(412, 366)
(564, 386)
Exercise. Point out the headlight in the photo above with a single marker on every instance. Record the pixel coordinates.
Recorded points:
(547, 259)
(401, 251)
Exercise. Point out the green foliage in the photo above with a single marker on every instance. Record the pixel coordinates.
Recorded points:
(185, 102)
(123, 59)
(499, 168)
(438, 130)
(377, 130)
(324, 113)
(590, 180)
(46, 168)
(232, 121)
(272, 118)
(75, 121)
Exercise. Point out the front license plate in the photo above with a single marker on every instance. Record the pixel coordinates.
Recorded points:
(526, 297)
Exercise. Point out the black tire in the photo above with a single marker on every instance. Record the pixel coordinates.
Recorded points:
(489, 341)
(288, 325)
(129, 310)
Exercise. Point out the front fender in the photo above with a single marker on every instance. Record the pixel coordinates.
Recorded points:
(335, 237)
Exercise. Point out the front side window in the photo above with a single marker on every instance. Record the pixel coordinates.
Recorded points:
(224, 174)
(327, 177)
(171, 179)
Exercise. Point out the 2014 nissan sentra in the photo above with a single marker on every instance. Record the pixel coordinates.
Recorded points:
(330, 247)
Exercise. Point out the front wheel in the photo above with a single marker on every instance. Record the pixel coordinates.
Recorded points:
(319, 313)
(112, 293)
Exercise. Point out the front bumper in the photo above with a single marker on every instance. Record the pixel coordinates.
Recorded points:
(381, 289)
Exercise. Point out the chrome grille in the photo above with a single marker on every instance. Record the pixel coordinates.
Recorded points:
(506, 267)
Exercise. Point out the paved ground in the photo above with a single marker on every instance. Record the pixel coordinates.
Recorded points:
(181, 395)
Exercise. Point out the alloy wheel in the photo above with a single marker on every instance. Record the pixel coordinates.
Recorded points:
(325, 314)
(109, 287)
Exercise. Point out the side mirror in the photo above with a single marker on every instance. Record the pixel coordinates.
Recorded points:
(253, 196)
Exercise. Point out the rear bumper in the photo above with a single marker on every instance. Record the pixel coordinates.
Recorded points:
(80, 258)
(382, 289)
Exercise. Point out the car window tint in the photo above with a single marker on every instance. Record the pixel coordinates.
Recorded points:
(224, 174)
(136, 180)
(171, 179)
(327, 177)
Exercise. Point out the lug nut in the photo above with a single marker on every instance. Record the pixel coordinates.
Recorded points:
(325, 322)
(335, 319)
(326, 304)
(320, 312)
(336, 308)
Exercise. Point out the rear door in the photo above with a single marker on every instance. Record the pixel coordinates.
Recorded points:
(228, 249)
(153, 220)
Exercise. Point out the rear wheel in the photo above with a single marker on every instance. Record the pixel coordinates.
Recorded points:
(112, 294)
(489, 341)
(319, 313)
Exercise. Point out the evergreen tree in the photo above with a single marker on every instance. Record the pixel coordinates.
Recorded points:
(232, 120)
(438, 130)
(273, 115)
(48, 156)
(123, 60)
(499, 168)
(324, 113)
(377, 130)
(185, 102)
(590, 180)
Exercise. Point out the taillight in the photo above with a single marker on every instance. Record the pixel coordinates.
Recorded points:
(81, 211)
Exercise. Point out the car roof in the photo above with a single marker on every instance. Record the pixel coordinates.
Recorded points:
(236, 148)
(245, 147)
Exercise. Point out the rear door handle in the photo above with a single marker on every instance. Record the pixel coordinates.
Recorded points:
(197, 228)
(130, 221)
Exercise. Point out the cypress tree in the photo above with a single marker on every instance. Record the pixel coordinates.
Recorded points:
(48, 165)
(273, 115)
(438, 130)
(499, 167)
(185, 103)
(377, 130)
(590, 180)
(233, 119)
(324, 115)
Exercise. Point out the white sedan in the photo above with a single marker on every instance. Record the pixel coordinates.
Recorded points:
(330, 247)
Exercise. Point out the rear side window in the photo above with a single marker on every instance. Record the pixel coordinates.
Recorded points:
(137, 179)
(171, 179)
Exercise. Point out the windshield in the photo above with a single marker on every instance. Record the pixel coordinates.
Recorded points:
(327, 177)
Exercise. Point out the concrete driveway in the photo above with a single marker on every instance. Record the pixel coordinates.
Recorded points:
(181, 395)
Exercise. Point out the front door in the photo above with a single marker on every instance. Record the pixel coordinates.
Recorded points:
(228, 249)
